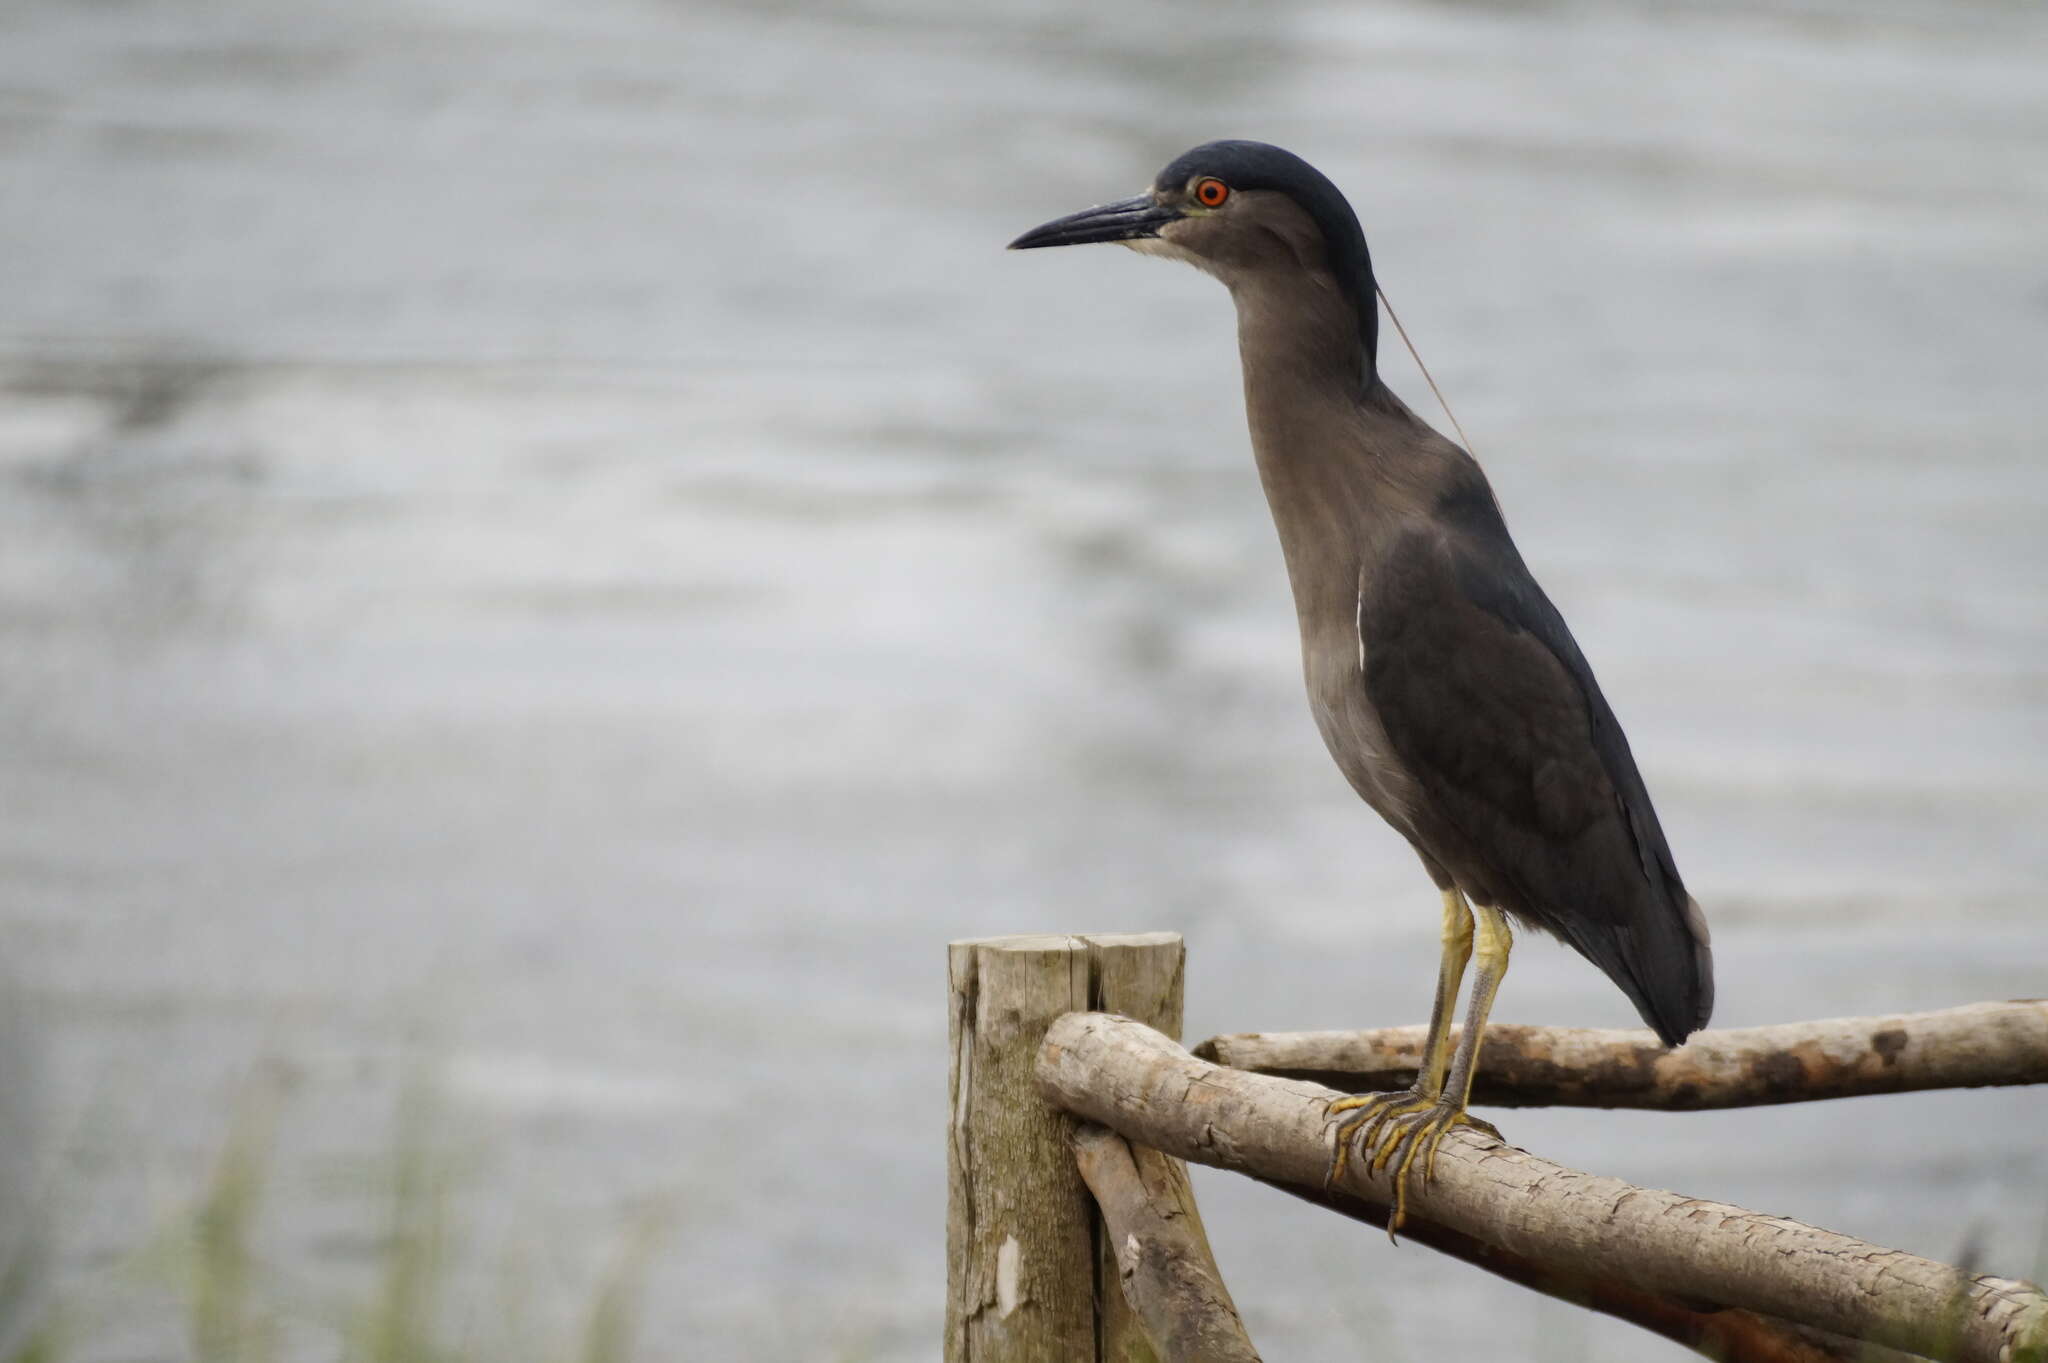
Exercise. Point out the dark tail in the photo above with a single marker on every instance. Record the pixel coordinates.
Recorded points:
(1666, 967)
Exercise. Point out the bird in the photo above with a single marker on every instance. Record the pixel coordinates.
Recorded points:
(1444, 682)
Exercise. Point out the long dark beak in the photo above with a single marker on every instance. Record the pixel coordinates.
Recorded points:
(1125, 220)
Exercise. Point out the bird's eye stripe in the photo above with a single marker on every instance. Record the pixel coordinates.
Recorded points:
(1211, 193)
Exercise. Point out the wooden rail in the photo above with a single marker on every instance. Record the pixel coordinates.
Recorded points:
(1976, 1046)
(1036, 1271)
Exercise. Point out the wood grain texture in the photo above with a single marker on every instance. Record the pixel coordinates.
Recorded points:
(1025, 1274)
(1153, 1228)
(1149, 1089)
(1974, 1046)
(1724, 1334)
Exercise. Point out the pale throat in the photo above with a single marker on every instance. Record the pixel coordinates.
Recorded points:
(1299, 342)
(1305, 381)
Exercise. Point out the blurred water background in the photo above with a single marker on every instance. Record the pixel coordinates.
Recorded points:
(548, 543)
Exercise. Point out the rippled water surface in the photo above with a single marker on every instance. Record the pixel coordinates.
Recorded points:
(552, 539)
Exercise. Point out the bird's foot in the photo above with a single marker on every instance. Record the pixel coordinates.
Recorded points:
(1393, 1129)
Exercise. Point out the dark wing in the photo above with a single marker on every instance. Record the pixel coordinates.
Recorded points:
(1491, 707)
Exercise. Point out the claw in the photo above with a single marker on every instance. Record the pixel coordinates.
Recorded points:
(1436, 1138)
(1372, 1109)
(1392, 1136)
(1392, 1130)
(1370, 1129)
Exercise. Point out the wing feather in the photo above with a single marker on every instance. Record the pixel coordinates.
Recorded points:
(1488, 702)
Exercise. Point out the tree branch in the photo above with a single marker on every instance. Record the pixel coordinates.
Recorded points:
(1168, 1274)
(1720, 1333)
(1979, 1045)
(1128, 1077)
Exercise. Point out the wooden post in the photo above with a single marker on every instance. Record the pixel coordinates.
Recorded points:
(1028, 1274)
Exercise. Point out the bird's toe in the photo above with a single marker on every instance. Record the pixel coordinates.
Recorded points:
(1393, 1131)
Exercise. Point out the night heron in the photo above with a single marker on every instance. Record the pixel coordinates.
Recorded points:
(1444, 682)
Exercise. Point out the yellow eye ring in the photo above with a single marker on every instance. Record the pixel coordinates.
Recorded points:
(1211, 192)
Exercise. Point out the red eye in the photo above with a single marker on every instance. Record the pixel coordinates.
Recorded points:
(1211, 193)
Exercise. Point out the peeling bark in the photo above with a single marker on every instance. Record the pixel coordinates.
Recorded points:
(1162, 1254)
(1719, 1333)
(1143, 1085)
(1979, 1045)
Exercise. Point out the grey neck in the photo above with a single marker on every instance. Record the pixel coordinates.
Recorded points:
(1333, 444)
(1298, 328)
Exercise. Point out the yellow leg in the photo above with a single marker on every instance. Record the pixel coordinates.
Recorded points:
(1374, 1108)
(1496, 940)
(1450, 973)
(1395, 1128)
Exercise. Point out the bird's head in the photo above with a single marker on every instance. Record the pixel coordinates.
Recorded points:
(1244, 212)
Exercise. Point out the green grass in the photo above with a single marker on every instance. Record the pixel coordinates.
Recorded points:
(234, 1308)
